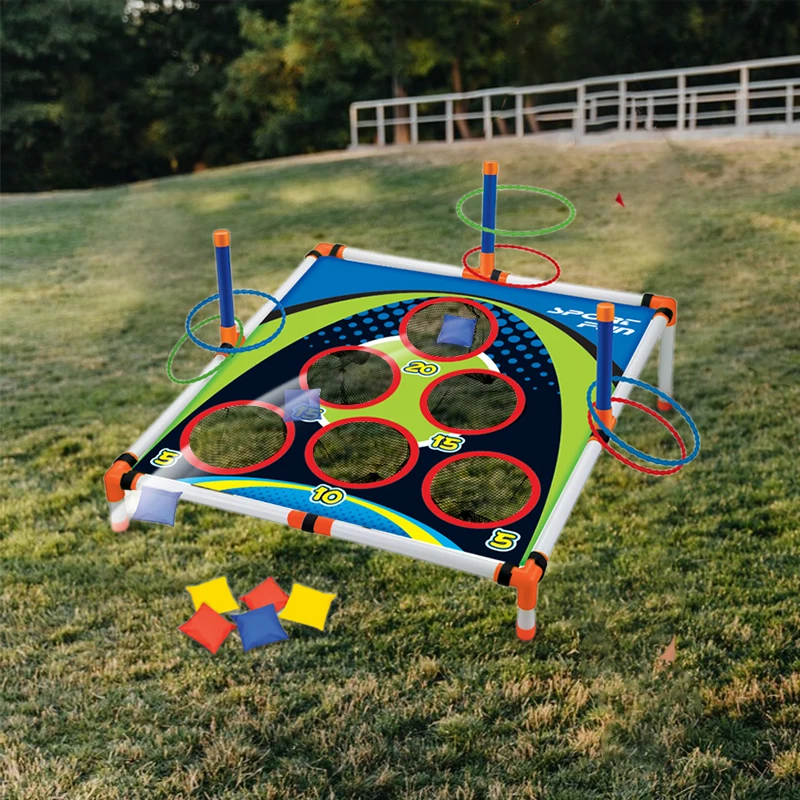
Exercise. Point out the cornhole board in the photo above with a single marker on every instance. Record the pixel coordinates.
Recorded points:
(446, 416)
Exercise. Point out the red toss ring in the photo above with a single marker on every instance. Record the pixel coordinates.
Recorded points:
(623, 459)
(478, 275)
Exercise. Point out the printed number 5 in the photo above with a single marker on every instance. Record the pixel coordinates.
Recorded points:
(502, 540)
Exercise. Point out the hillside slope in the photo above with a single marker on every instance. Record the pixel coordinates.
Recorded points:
(418, 688)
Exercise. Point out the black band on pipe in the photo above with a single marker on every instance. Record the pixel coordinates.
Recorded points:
(504, 576)
(540, 560)
(309, 520)
(126, 481)
(667, 312)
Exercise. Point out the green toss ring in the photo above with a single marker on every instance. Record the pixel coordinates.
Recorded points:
(185, 338)
(497, 232)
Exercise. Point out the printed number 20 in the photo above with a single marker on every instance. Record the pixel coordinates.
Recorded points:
(420, 368)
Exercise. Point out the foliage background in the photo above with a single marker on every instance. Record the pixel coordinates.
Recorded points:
(100, 92)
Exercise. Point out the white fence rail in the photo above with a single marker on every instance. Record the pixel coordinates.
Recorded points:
(742, 96)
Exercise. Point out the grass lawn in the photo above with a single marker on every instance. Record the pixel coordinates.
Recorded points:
(419, 687)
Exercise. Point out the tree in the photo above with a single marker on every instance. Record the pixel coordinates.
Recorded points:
(105, 91)
(52, 94)
(294, 80)
(97, 92)
(189, 51)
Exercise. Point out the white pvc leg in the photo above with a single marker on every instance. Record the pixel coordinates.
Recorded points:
(666, 359)
(526, 623)
(118, 516)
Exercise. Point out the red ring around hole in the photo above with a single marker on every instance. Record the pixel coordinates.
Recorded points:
(428, 414)
(626, 461)
(395, 374)
(536, 490)
(401, 473)
(493, 328)
(189, 455)
(478, 275)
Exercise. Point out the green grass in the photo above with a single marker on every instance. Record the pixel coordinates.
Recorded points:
(418, 688)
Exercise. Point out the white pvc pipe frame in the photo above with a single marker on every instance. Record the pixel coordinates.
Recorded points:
(482, 566)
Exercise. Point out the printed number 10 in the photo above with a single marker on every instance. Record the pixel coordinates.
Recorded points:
(327, 495)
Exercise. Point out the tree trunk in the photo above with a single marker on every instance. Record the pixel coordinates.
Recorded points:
(458, 105)
(402, 133)
(533, 120)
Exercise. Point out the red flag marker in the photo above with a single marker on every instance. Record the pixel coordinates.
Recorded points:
(619, 200)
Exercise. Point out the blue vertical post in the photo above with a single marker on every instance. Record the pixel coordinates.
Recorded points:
(227, 321)
(488, 216)
(605, 361)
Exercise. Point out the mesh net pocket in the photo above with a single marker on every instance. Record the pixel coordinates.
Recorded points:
(350, 377)
(425, 324)
(237, 437)
(473, 401)
(361, 453)
(482, 490)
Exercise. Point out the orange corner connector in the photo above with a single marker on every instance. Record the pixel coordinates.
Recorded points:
(526, 581)
(229, 335)
(113, 478)
(327, 249)
(491, 168)
(486, 264)
(605, 312)
(607, 417)
(659, 301)
(222, 238)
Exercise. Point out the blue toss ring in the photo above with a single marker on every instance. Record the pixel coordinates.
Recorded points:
(231, 350)
(662, 462)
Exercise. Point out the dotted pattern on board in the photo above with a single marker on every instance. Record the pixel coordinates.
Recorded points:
(348, 512)
(517, 350)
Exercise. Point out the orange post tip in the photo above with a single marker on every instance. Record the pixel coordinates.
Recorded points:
(119, 527)
(490, 168)
(526, 636)
(605, 312)
(222, 238)
(663, 405)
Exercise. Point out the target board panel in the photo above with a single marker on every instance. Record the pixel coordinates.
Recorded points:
(424, 405)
